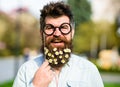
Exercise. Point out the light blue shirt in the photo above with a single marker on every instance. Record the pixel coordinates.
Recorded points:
(79, 72)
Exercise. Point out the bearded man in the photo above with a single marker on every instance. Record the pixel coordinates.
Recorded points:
(57, 66)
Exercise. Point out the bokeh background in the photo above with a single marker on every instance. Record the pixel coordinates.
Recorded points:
(97, 36)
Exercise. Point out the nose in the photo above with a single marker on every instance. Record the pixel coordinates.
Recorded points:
(57, 32)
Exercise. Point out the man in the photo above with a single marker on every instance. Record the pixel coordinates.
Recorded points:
(57, 66)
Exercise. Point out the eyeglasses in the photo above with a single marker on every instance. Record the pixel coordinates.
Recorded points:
(64, 28)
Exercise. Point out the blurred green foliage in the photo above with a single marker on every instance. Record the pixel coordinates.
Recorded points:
(22, 31)
(89, 32)
(112, 85)
(91, 35)
(81, 10)
(6, 84)
(18, 32)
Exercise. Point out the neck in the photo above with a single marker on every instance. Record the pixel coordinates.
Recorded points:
(57, 70)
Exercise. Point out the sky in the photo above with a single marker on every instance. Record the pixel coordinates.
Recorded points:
(34, 6)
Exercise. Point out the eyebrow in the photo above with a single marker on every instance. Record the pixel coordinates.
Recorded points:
(59, 25)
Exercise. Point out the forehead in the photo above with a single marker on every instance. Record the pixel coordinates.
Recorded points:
(57, 21)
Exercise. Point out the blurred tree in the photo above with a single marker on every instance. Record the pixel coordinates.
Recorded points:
(22, 30)
(5, 23)
(29, 31)
(83, 37)
(81, 10)
(92, 37)
(6, 33)
(106, 32)
(118, 30)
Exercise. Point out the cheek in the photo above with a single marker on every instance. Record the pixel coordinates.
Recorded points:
(47, 38)
(69, 36)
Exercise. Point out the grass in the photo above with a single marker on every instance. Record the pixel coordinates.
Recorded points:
(9, 84)
(112, 84)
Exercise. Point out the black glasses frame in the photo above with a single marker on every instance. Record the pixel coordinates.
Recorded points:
(60, 27)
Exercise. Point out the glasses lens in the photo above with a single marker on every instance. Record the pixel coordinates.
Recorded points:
(48, 29)
(65, 28)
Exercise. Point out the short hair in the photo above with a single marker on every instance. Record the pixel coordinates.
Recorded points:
(55, 9)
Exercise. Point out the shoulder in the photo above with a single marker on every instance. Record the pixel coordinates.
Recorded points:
(27, 70)
(81, 62)
(33, 63)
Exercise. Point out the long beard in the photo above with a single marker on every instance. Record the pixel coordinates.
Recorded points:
(57, 57)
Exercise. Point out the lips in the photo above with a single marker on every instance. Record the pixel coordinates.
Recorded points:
(56, 41)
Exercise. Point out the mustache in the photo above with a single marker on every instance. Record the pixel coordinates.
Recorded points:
(57, 39)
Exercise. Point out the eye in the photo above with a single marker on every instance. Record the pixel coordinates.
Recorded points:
(64, 26)
(48, 27)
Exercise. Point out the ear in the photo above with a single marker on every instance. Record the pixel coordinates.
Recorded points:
(73, 31)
